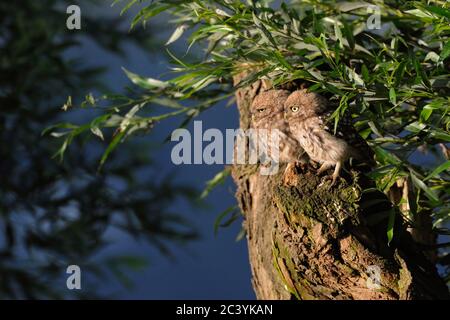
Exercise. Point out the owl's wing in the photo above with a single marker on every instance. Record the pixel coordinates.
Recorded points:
(288, 148)
(346, 131)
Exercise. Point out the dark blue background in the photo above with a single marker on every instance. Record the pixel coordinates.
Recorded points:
(213, 267)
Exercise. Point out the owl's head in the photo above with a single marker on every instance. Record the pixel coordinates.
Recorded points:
(267, 107)
(302, 105)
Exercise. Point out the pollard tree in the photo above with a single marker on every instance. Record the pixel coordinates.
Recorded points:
(373, 235)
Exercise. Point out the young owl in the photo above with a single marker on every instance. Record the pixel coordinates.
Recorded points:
(308, 116)
(267, 111)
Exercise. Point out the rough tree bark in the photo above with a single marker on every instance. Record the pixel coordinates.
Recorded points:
(308, 240)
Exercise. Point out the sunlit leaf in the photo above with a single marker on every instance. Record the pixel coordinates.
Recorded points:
(177, 34)
(146, 83)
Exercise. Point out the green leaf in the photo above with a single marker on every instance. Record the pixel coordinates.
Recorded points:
(148, 12)
(421, 73)
(420, 13)
(437, 170)
(221, 217)
(346, 6)
(177, 34)
(146, 83)
(241, 234)
(385, 156)
(112, 145)
(97, 132)
(282, 60)
(439, 11)
(433, 56)
(392, 96)
(431, 194)
(214, 182)
(415, 127)
(390, 227)
(64, 125)
(127, 6)
(426, 113)
(338, 34)
(264, 32)
(445, 53)
(68, 104)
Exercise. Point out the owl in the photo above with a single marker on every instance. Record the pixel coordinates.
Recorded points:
(308, 115)
(267, 112)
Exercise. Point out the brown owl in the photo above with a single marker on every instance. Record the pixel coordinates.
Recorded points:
(267, 112)
(308, 116)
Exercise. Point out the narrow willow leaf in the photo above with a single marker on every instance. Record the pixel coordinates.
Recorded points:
(177, 34)
(97, 132)
(267, 35)
(221, 217)
(445, 53)
(146, 83)
(346, 6)
(68, 104)
(439, 169)
(392, 96)
(426, 113)
(338, 34)
(440, 134)
(241, 234)
(385, 156)
(148, 12)
(127, 6)
(217, 180)
(129, 116)
(421, 73)
(433, 56)
(439, 11)
(415, 127)
(221, 12)
(112, 145)
(59, 126)
(420, 13)
(59, 134)
(431, 194)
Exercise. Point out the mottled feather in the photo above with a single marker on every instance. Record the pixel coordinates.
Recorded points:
(267, 112)
(308, 115)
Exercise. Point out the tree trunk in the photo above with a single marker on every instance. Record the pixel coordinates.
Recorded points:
(310, 240)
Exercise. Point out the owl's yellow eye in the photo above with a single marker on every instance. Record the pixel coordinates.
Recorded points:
(261, 110)
(294, 109)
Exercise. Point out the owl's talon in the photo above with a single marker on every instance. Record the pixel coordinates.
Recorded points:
(333, 181)
(336, 172)
(324, 167)
(301, 165)
(332, 178)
